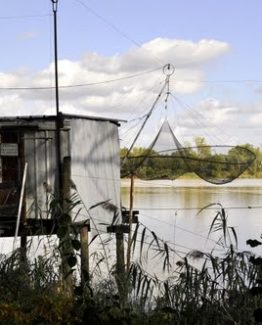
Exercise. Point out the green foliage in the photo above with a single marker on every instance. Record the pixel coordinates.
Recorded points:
(32, 293)
(223, 289)
(149, 164)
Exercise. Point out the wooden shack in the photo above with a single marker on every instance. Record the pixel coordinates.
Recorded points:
(91, 144)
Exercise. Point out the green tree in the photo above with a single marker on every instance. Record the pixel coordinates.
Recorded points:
(203, 149)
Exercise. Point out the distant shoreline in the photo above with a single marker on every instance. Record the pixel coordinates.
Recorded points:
(240, 182)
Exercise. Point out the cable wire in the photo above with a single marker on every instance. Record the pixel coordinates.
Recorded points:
(83, 84)
(116, 29)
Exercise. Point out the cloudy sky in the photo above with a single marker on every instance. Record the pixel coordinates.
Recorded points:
(111, 55)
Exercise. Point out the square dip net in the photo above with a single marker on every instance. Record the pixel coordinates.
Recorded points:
(167, 158)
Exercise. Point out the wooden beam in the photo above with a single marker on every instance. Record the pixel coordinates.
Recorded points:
(84, 254)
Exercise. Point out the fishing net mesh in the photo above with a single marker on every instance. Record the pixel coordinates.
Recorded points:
(166, 158)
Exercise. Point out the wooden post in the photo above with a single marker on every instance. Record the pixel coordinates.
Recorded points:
(66, 248)
(120, 266)
(84, 254)
(120, 253)
(130, 221)
(66, 183)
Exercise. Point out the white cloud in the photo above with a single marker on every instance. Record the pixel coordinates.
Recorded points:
(187, 54)
(129, 97)
(212, 118)
(215, 112)
(256, 120)
(120, 97)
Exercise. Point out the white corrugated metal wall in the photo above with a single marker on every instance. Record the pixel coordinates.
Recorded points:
(95, 167)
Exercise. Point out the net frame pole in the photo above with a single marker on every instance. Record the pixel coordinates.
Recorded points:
(130, 221)
(147, 117)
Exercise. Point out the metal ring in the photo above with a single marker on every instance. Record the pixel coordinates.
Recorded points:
(168, 69)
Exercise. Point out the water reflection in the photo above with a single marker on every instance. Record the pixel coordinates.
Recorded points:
(172, 211)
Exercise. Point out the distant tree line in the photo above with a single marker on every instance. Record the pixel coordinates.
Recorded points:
(209, 161)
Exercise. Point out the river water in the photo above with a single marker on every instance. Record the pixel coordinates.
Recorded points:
(171, 210)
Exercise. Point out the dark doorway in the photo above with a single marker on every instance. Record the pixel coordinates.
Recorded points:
(10, 171)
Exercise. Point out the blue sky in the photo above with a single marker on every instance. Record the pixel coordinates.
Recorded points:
(218, 42)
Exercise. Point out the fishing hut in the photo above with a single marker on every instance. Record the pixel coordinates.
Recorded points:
(29, 173)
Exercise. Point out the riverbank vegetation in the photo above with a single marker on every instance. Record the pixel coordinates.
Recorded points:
(149, 164)
(221, 289)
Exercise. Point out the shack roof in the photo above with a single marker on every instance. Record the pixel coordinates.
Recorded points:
(53, 117)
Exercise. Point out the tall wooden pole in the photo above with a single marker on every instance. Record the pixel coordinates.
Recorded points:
(63, 170)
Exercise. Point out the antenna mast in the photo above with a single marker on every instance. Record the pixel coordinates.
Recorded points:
(58, 117)
(55, 5)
